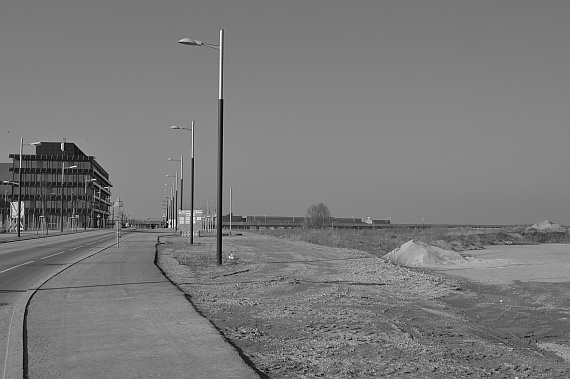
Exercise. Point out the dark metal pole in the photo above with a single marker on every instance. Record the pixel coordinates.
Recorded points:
(85, 207)
(220, 150)
(220, 170)
(61, 213)
(181, 181)
(192, 187)
(192, 201)
(20, 186)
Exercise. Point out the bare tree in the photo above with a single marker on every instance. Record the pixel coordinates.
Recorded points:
(317, 216)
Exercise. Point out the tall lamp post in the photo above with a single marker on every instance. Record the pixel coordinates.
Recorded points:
(175, 186)
(20, 181)
(231, 194)
(172, 205)
(167, 199)
(220, 47)
(191, 181)
(5, 201)
(100, 207)
(63, 168)
(181, 160)
(85, 200)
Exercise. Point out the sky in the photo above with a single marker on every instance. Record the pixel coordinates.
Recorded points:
(452, 111)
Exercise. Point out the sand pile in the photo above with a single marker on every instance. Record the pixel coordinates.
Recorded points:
(546, 226)
(420, 254)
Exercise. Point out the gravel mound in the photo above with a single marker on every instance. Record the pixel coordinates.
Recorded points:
(419, 254)
(546, 226)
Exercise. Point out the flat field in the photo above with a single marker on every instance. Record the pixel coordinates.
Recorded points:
(300, 310)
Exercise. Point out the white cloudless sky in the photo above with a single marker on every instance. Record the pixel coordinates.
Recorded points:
(454, 111)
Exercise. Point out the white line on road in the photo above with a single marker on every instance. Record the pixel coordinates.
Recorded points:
(53, 255)
(11, 268)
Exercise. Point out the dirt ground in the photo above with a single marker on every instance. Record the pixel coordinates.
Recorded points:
(297, 310)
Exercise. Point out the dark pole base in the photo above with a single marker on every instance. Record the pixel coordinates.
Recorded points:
(192, 201)
(220, 176)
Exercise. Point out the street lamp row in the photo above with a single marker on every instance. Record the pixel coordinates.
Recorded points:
(174, 127)
(220, 47)
(20, 182)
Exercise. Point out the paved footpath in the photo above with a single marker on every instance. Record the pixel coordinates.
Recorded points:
(115, 315)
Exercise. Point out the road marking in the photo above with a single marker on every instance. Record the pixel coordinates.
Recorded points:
(53, 255)
(11, 268)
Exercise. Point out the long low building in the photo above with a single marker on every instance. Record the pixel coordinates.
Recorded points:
(60, 186)
(298, 222)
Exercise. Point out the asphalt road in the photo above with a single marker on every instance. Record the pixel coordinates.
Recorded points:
(26, 264)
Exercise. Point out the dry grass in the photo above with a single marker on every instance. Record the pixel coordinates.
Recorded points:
(382, 241)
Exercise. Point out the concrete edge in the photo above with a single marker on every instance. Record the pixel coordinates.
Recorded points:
(15, 353)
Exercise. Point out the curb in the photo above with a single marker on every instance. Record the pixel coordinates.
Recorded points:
(14, 364)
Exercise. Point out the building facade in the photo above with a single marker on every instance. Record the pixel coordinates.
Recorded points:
(5, 190)
(59, 185)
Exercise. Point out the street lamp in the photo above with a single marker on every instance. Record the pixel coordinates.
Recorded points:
(231, 193)
(8, 182)
(20, 181)
(167, 199)
(191, 180)
(165, 210)
(175, 197)
(100, 207)
(172, 205)
(175, 187)
(85, 201)
(181, 160)
(220, 47)
(63, 168)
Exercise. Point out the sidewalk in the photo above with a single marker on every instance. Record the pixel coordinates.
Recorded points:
(115, 315)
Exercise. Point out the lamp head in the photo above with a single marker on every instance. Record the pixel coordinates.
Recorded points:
(190, 42)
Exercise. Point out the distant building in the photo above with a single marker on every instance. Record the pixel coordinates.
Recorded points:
(298, 222)
(49, 185)
(5, 189)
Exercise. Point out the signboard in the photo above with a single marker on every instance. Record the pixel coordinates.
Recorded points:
(184, 220)
(14, 210)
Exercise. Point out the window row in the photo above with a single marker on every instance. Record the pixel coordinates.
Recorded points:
(51, 204)
(53, 165)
